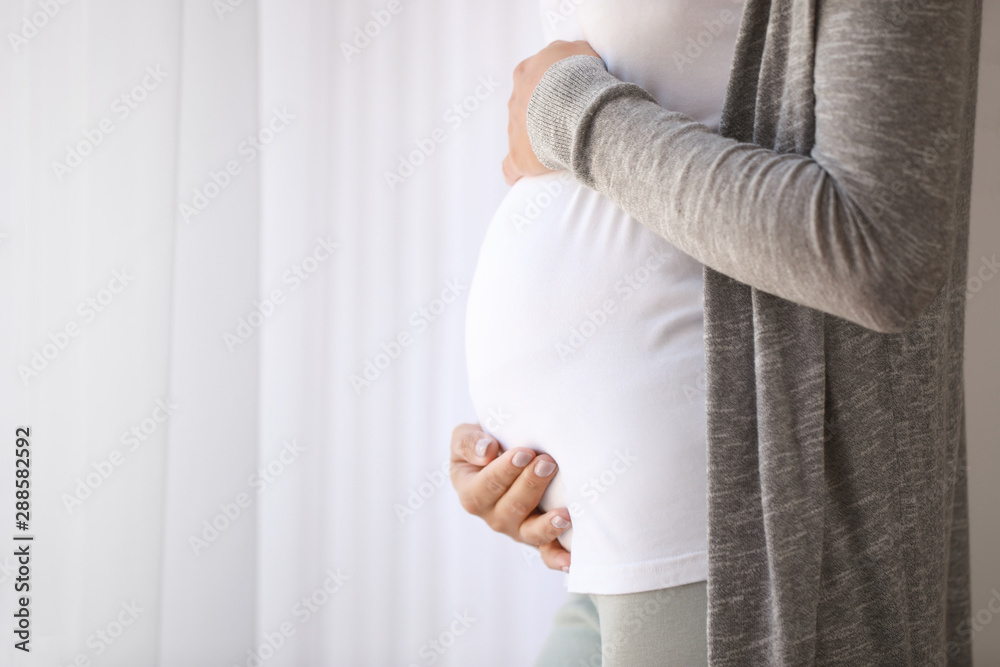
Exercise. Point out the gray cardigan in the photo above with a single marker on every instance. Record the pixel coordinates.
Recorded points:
(831, 213)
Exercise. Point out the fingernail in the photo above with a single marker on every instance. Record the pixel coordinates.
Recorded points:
(565, 568)
(559, 522)
(481, 446)
(521, 459)
(544, 468)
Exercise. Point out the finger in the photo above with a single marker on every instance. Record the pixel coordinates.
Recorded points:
(540, 529)
(469, 443)
(521, 500)
(554, 556)
(584, 47)
(505, 169)
(471, 451)
(510, 172)
(521, 153)
(482, 491)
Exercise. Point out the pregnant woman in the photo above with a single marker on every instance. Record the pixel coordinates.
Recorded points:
(830, 211)
(584, 329)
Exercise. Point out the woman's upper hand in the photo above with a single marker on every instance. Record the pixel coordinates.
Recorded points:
(504, 491)
(521, 159)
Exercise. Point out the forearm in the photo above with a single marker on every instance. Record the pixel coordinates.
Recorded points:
(863, 227)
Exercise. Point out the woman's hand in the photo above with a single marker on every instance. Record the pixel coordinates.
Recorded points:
(504, 491)
(521, 159)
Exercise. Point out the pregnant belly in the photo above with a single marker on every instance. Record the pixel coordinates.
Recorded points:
(584, 340)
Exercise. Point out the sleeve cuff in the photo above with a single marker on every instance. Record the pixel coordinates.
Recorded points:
(567, 96)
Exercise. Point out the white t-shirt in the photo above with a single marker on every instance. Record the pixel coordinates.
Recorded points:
(584, 331)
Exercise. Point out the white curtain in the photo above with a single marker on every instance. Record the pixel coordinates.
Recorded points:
(216, 477)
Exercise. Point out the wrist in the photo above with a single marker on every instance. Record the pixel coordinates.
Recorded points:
(562, 104)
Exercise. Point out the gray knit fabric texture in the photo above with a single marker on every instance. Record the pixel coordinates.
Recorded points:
(831, 212)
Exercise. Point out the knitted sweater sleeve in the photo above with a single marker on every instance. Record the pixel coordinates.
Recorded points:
(863, 227)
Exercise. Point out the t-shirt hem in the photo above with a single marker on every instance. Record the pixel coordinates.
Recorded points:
(639, 577)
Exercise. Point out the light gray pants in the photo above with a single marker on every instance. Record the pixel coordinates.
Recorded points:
(662, 628)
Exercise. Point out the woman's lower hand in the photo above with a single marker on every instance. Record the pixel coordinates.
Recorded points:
(505, 490)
